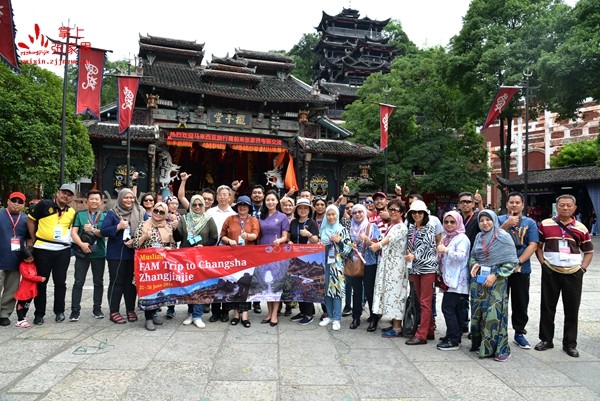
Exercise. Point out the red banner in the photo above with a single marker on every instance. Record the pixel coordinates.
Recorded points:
(230, 274)
(8, 51)
(503, 96)
(89, 81)
(127, 86)
(385, 111)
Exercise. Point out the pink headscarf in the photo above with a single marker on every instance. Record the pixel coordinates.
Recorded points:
(357, 228)
(460, 226)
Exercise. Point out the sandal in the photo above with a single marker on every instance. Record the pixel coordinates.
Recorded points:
(246, 323)
(117, 318)
(235, 321)
(132, 316)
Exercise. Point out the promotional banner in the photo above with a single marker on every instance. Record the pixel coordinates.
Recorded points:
(503, 96)
(127, 86)
(204, 275)
(89, 81)
(8, 51)
(385, 111)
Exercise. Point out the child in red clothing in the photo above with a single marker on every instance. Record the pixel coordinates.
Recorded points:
(28, 286)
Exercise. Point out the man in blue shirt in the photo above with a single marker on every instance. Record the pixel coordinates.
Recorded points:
(526, 235)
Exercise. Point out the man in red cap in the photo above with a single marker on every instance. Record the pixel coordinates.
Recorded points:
(13, 230)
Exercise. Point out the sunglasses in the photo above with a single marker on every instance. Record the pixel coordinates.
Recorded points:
(149, 200)
(418, 212)
(159, 212)
(449, 222)
(197, 205)
(368, 202)
(393, 210)
(17, 200)
(466, 201)
(357, 212)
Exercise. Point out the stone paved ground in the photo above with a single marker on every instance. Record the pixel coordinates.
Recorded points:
(98, 360)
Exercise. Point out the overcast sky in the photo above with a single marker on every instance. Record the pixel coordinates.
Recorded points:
(226, 25)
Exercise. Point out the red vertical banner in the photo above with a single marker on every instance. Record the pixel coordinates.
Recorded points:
(89, 81)
(128, 86)
(8, 51)
(503, 96)
(385, 111)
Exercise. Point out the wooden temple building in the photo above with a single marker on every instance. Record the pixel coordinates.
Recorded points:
(231, 119)
(349, 50)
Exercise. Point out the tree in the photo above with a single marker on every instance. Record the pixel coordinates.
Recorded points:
(30, 132)
(397, 37)
(305, 57)
(582, 153)
(433, 147)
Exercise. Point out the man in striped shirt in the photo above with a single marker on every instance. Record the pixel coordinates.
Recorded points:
(565, 252)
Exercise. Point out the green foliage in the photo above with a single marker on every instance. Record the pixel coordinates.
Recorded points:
(397, 37)
(582, 153)
(30, 132)
(304, 56)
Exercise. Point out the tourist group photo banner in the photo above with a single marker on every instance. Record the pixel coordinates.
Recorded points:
(203, 275)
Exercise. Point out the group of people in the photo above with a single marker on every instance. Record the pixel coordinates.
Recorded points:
(477, 259)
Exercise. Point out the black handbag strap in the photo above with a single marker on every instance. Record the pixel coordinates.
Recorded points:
(567, 229)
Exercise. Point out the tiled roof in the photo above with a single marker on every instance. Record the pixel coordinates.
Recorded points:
(111, 131)
(176, 43)
(337, 147)
(272, 89)
(269, 56)
(218, 73)
(339, 89)
(561, 175)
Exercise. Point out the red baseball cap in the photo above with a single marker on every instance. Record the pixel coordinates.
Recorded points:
(18, 195)
(381, 194)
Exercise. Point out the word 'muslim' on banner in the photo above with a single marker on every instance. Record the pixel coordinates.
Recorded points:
(230, 274)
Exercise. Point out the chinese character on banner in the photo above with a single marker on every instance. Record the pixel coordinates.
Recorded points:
(127, 86)
(503, 96)
(385, 111)
(89, 81)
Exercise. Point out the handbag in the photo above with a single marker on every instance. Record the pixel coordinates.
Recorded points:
(412, 313)
(439, 282)
(354, 266)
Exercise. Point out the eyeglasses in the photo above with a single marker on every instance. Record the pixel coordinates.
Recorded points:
(392, 210)
(197, 205)
(149, 200)
(159, 212)
(208, 200)
(357, 212)
(449, 222)
(417, 212)
(17, 200)
(368, 202)
(465, 201)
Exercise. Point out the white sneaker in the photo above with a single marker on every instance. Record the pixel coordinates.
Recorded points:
(188, 320)
(336, 325)
(325, 322)
(199, 323)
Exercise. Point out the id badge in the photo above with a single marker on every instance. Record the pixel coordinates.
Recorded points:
(331, 255)
(57, 232)
(241, 241)
(563, 250)
(127, 234)
(15, 244)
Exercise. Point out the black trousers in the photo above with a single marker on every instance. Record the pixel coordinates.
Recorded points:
(82, 266)
(553, 285)
(55, 263)
(120, 273)
(368, 283)
(518, 290)
(451, 308)
(307, 308)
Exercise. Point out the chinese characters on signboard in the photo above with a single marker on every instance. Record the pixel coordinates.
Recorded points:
(224, 138)
(220, 118)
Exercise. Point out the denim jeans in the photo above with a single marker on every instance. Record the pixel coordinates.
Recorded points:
(197, 311)
(334, 307)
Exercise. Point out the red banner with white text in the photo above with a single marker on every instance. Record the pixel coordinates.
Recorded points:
(505, 93)
(8, 50)
(89, 81)
(203, 275)
(127, 86)
(385, 111)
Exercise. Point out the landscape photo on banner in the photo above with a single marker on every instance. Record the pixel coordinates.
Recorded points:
(203, 275)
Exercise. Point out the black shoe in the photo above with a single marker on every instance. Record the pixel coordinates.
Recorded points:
(74, 317)
(415, 341)
(448, 346)
(4, 321)
(273, 324)
(288, 311)
(98, 314)
(60, 317)
(372, 326)
(347, 311)
(39, 320)
(544, 345)
(355, 323)
(225, 317)
(297, 317)
(265, 321)
(571, 352)
(256, 308)
(214, 317)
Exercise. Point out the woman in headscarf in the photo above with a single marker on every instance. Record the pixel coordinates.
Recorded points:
(493, 259)
(173, 217)
(154, 233)
(119, 226)
(454, 260)
(362, 233)
(195, 229)
(337, 249)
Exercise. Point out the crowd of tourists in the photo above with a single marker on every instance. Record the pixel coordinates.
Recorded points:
(379, 253)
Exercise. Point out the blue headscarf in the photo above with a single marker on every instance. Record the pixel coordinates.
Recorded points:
(328, 229)
(499, 246)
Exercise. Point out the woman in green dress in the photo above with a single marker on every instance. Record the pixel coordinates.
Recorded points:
(493, 259)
